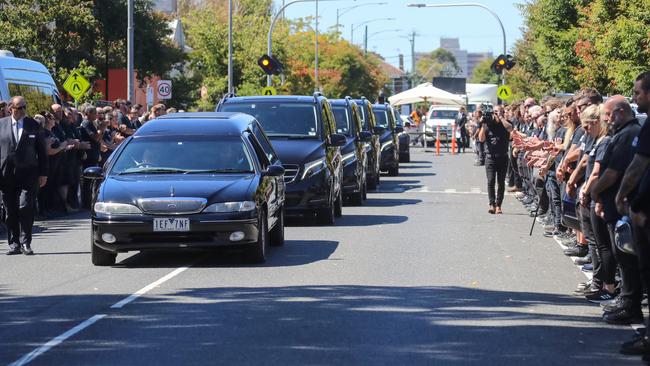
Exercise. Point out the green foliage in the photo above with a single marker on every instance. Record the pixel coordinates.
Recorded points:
(483, 74)
(439, 62)
(571, 44)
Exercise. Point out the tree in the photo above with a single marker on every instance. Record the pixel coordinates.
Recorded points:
(439, 62)
(483, 74)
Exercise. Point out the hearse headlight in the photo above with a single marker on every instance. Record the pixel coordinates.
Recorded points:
(111, 208)
(313, 168)
(223, 207)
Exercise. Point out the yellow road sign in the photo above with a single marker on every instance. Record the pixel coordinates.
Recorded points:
(504, 92)
(76, 85)
(269, 90)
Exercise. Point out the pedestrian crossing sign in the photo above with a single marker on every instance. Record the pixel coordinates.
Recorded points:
(76, 85)
(504, 92)
(269, 90)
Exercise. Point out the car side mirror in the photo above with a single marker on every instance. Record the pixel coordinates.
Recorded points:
(399, 129)
(379, 130)
(93, 173)
(365, 136)
(274, 171)
(336, 139)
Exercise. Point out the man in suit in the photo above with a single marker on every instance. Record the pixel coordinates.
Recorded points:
(23, 170)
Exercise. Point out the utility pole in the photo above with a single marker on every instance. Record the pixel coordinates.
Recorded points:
(130, 79)
(317, 86)
(413, 73)
(365, 41)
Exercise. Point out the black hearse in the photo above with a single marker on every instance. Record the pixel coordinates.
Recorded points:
(374, 155)
(303, 132)
(355, 151)
(189, 180)
(388, 137)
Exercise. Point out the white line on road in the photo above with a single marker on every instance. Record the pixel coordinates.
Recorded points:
(57, 340)
(144, 290)
(95, 318)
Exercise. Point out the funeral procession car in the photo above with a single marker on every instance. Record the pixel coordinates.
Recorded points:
(189, 180)
(368, 123)
(303, 132)
(355, 151)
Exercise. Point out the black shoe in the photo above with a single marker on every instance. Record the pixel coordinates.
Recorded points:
(577, 251)
(637, 346)
(611, 306)
(583, 260)
(599, 296)
(624, 316)
(13, 250)
(26, 249)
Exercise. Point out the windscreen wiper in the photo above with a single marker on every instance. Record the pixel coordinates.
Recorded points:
(152, 171)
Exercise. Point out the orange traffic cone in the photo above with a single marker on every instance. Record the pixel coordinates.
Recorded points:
(453, 139)
(438, 140)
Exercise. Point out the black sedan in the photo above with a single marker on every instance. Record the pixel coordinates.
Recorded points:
(191, 180)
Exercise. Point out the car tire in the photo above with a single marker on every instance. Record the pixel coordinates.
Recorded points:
(259, 251)
(365, 190)
(99, 256)
(326, 215)
(393, 172)
(338, 206)
(356, 199)
(277, 233)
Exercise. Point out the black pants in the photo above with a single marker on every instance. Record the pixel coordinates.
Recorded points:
(607, 269)
(480, 150)
(642, 248)
(464, 139)
(495, 169)
(555, 200)
(631, 291)
(19, 200)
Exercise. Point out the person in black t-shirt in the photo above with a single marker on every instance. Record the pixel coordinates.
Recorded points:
(618, 156)
(495, 134)
(637, 177)
(461, 123)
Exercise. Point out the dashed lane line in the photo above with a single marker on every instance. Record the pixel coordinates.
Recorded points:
(94, 319)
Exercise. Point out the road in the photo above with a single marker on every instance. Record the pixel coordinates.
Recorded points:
(421, 274)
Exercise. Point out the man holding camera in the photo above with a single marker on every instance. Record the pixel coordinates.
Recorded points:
(495, 134)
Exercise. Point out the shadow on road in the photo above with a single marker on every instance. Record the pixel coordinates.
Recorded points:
(390, 202)
(370, 220)
(347, 325)
(293, 253)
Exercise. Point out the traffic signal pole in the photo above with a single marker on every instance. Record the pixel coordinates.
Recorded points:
(503, 31)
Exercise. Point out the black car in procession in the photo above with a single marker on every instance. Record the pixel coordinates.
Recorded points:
(387, 131)
(404, 139)
(374, 154)
(355, 151)
(303, 132)
(191, 180)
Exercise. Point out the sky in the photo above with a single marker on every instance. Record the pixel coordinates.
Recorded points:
(476, 28)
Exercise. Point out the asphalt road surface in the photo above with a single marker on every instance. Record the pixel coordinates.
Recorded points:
(420, 275)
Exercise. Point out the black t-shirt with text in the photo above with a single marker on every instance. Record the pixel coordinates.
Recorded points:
(496, 139)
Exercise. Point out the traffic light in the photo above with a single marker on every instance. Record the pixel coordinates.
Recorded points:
(270, 65)
(499, 64)
(502, 62)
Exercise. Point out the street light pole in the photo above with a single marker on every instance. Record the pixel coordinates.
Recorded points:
(503, 31)
(130, 79)
(230, 72)
(316, 52)
(352, 27)
(269, 40)
(345, 10)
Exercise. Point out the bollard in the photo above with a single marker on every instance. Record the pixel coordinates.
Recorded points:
(453, 139)
(438, 140)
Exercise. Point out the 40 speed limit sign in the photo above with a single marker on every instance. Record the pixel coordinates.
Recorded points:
(164, 89)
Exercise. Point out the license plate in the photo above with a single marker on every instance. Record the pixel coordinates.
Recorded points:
(171, 224)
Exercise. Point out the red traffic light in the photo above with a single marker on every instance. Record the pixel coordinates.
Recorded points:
(270, 65)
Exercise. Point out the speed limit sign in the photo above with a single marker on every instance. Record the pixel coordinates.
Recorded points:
(164, 89)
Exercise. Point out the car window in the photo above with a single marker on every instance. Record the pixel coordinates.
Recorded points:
(280, 119)
(443, 114)
(264, 144)
(38, 98)
(357, 123)
(259, 151)
(381, 118)
(183, 154)
(342, 118)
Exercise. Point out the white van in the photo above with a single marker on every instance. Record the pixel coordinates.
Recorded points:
(440, 119)
(28, 78)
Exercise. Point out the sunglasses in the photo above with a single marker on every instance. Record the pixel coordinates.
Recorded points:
(21, 108)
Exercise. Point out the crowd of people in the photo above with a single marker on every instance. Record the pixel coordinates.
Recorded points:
(580, 165)
(79, 138)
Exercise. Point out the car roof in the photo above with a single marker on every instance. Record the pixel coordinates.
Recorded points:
(343, 101)
(275, 98)
(197, 123)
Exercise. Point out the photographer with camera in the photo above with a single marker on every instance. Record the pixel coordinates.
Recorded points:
(495, 134)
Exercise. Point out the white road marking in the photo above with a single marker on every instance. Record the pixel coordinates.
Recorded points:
(149, 287)
(451, 190)
(95, 318)
(57, 340)
(475, 190)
